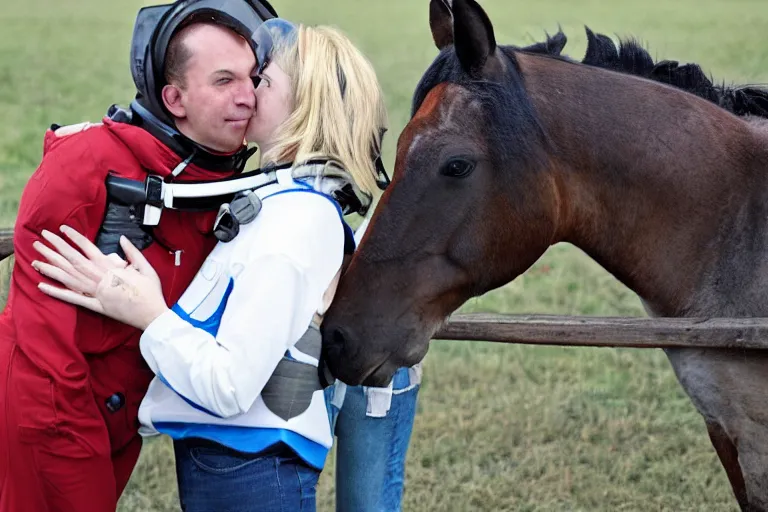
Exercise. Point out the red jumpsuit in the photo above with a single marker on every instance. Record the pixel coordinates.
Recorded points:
(61, 447)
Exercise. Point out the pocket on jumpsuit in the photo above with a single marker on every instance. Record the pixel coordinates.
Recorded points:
(119, 380)
(51, 418)
(33, 396)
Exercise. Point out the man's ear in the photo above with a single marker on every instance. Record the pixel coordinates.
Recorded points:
(172, 100)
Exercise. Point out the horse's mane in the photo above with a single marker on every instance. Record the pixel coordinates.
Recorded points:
(630, 57)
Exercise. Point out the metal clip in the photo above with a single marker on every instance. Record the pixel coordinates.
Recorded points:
(226, 227)
(245, 206)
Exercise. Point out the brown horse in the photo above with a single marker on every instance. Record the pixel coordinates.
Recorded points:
(511, 150)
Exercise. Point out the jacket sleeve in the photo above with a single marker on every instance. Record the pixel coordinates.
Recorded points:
(66, 188)
(272, 303)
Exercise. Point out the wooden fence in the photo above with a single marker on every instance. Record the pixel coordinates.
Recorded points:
(630, 332)
(6, 243)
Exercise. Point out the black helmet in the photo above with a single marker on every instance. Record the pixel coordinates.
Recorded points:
(154, 28)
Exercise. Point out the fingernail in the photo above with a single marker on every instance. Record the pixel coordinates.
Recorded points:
(64, 228)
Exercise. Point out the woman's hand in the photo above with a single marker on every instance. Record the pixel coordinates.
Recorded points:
(129, 292)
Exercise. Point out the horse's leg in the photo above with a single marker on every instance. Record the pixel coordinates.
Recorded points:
(729, 457)
(728, 388)
(753, 459)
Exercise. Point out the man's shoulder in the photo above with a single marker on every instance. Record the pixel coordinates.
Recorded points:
(84, 153)
(74, 141)
(76, 162)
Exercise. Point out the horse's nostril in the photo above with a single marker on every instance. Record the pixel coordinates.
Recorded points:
(338, 337)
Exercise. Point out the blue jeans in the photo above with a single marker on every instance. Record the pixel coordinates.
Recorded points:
(214, 477)
(371, 451)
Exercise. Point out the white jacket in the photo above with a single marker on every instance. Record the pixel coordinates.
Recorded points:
(236, 358)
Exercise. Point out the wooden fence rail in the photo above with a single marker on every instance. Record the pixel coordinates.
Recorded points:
(630, 332)
(6, 243)
(720, 333)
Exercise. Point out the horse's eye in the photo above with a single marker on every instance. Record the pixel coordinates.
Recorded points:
(458, 168)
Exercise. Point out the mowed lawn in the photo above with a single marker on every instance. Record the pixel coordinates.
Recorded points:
(499, 427)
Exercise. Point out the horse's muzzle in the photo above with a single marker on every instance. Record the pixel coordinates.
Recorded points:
(353, 367)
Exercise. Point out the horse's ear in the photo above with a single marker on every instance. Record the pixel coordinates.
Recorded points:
(473, 35)
(441, 23)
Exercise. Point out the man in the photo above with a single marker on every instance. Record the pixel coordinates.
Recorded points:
(72, 381)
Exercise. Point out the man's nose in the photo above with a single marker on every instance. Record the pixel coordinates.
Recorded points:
(246, 95)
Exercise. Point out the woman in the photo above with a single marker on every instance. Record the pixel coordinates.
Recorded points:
(236, 359)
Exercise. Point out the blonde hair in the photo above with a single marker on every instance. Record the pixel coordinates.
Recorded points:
(339, 110)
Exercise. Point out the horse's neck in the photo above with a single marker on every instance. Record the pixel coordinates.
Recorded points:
(662, 190)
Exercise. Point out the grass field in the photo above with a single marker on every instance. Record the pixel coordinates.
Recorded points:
(499, 427)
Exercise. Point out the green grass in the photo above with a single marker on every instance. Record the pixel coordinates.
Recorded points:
(498, 427)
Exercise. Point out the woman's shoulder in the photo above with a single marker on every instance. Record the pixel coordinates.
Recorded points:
(293, 222)
(302, 206)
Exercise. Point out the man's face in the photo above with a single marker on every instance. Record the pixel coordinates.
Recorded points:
(216, 101)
